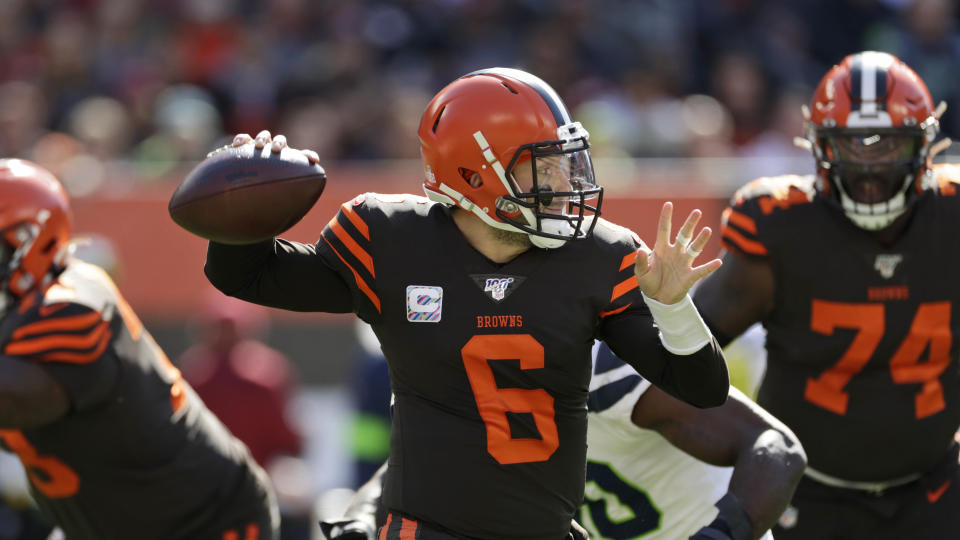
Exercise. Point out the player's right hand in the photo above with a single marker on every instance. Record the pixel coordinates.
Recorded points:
(277, 144)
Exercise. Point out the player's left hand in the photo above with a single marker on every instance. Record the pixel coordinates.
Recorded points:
(666, 273)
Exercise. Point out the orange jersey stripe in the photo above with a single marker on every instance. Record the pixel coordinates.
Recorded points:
(615, 311)
(61, 324)
(383, 530)
(355, 219)
(409, 529)
(79, 358)
(354, 247)
(743, 243)
(624, 287)
(743, 221)
(628, 260)
(57, 341)
(356, 277)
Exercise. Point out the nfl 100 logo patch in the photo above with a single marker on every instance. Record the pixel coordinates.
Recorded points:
(424, 303)
(497, 286)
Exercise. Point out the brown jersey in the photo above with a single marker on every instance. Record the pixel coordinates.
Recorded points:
(137, 455)
(489, 363)
(862, 340)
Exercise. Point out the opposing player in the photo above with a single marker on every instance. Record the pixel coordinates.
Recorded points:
(659, 469)
(115, 443)
(487, 297)
(851, 272)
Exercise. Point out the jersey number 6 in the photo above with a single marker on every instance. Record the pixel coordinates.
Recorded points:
(494, 403)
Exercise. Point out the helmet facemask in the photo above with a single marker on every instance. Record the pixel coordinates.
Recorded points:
(872, 171)
(550, 184)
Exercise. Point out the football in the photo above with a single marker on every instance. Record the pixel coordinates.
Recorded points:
(241, 195)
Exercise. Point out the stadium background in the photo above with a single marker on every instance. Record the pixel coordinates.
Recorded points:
(684, 99)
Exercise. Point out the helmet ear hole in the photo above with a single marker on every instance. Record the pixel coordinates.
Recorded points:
(472, 177)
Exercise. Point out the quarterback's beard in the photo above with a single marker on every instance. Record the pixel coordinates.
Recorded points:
(512, 238)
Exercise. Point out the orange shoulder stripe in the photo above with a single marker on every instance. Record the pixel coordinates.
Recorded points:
(352, 246)
(361, 225)
(628, 260)
(743, 221)
(76, 342)
(408, 529)
(79, 358)
(614, 311)
(624, 287)
(356, 277)
(753, 247)
(60, 324)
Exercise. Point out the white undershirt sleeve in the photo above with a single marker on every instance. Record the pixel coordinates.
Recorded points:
(682, 330)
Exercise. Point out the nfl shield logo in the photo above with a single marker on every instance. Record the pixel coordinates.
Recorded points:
(497, 287)
(886, 264)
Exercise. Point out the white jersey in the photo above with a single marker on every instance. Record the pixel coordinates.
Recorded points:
(638, 484)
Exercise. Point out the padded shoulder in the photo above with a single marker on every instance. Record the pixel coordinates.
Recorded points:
(609, 233)
(71, 321)
(946, 178)
(755, 203)
(771, 193)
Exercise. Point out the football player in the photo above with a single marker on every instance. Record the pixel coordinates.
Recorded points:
(645, 477)
(486, 297)
(659, 469)
(852, 272)
(114, 442)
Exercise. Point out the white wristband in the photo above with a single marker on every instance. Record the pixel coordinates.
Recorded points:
(682, 330)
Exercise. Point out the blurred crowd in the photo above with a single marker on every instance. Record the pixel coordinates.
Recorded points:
(98, 89)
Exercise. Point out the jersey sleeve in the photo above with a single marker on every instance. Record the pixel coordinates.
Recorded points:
(746, 223)
(615, 386)
(73, 344)
(349, 243)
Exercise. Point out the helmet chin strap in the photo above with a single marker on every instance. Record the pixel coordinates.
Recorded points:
(552, 226)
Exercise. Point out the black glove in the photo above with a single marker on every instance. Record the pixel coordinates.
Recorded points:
(731, 523)
(577, 532)
(347, 529)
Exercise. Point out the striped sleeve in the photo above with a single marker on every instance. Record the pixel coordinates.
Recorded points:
(65, 333)
(74, 343)
(739, 233)
(626, 289)
(348, 236)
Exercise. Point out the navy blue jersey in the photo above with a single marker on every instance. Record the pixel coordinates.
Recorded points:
(137, 455)
(862, 340)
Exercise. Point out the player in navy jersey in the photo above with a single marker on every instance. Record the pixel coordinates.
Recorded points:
(486, 297)
(115, 444)
(852, 272)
